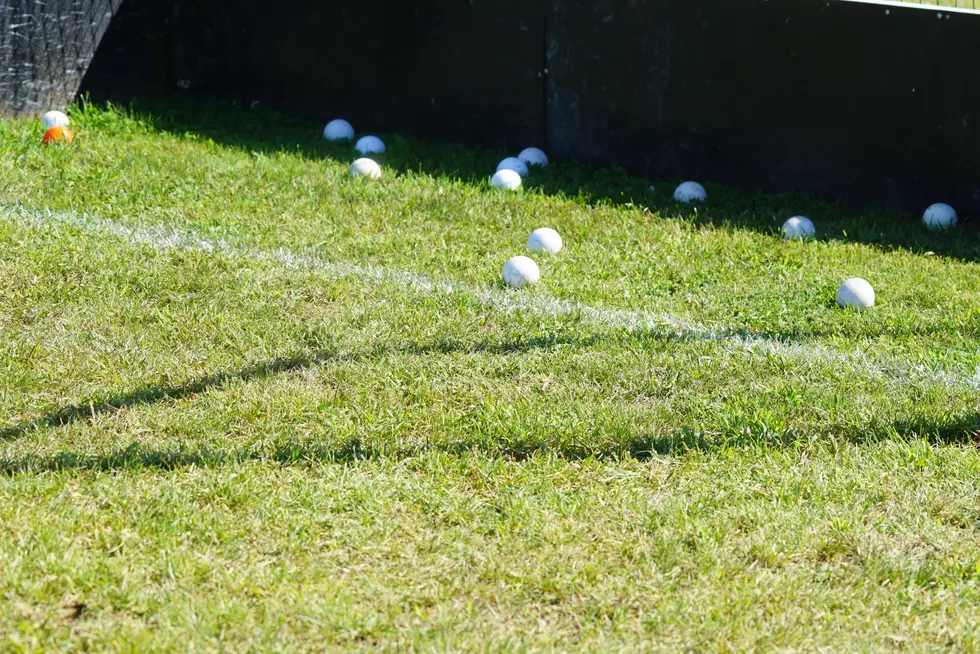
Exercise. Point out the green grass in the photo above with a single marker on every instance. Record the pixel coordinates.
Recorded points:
(243, 449)
(960, 4)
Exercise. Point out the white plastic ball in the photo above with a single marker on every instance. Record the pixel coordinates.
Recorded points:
(338, 130)
(690, 192)
(520, 272)
(370, 145)
(940, 216)
(54, 119)
(545, 239)
(799, 228)
(365, 168)
(507, 180)
(515, 164)
(533, 157)
(857, 293)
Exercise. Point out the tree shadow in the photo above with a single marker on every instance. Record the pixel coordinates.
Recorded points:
(640, 447)
(621, 443)
(270, 132)
(90, 410)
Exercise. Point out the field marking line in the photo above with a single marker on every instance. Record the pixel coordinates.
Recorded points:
(163, 238)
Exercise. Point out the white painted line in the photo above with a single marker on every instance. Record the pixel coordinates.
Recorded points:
(160, 238)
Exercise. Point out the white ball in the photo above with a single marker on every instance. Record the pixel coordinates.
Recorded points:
(690, 192)
(54, 119)
(507, 180)
(545, 239)
(513, 163)
(533, 157)
(365, 168)
(940, 216)
(799, 228)
(370, 145)
(520, 272)
(338, 130)
(857, 293)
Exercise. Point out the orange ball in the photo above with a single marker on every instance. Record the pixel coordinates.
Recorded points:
(58, 135)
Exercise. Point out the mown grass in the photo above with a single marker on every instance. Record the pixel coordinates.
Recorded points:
(959, 4)
(214, 450)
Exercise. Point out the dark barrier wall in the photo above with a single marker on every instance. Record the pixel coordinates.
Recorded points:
(45, 48)
(448, 69)
(137, 55)
(880, 104)
(875, 103)
(470, 70)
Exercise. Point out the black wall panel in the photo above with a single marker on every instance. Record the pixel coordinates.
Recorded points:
(137, 55)
(445, 69)
(872, 102)
(876, 103)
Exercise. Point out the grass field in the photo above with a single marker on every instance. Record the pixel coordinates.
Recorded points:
(249, 404)
(959, 4)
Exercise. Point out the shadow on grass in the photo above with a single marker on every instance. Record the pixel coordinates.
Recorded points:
(616, 443)
(91, 410)
(641, 448)
(268, 132)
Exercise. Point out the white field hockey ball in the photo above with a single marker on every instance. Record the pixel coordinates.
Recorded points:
(370, 145)
(856, 293)
(533, 157)
(545, 239)
(365, 168)
(338, 130)
(520, 272)
(506, 179)
(690, 192)
(940, 216)
(515, 164)
(799, 228)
